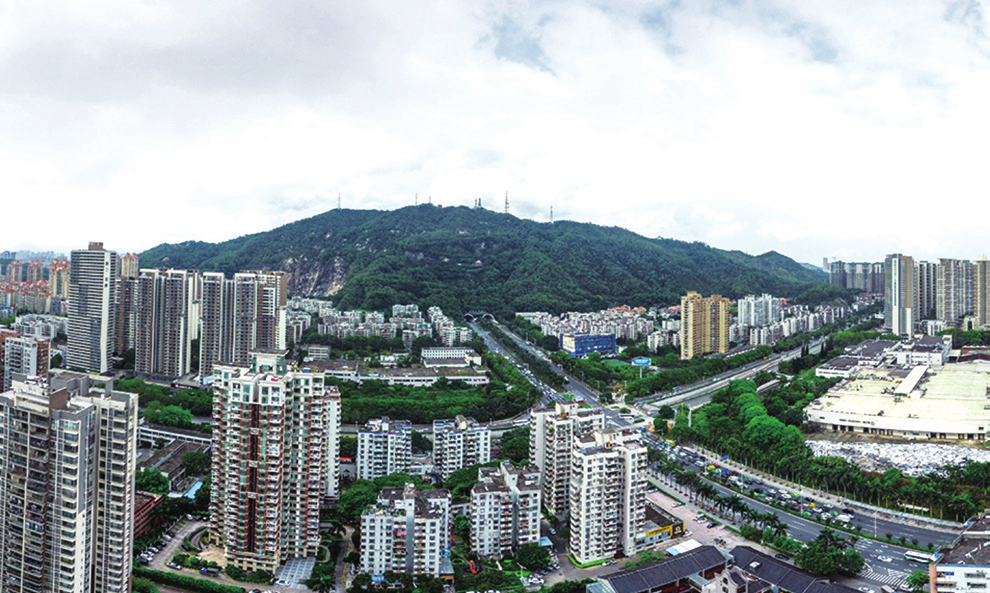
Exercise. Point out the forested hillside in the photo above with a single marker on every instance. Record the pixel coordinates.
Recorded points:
(462, 258)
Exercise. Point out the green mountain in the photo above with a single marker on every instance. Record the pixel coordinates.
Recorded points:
(462, 259)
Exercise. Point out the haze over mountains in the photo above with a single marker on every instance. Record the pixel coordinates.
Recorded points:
(463, 258)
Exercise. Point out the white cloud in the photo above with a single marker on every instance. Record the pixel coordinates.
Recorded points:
(840, 128)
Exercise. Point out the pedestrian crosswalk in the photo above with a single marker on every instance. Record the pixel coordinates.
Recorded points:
(887, 579)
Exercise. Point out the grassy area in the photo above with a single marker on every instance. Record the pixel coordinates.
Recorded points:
(589, 564)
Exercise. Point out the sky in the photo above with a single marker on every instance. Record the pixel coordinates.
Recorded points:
(844, 129)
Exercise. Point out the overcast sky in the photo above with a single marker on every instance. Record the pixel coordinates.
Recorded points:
(839, 128)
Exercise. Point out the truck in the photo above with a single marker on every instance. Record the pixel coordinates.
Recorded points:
(844, 519)
(210, 571)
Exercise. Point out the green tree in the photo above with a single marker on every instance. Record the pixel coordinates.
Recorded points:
(202, 496)
(152, 480)
(515, 444)
(420, 443)
(917, 580)
(462, 527)
(196, 463)
(829, 555)
(665, 412)
(533, 556)
(348, 446)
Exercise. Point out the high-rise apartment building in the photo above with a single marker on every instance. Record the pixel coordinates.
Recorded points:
(129, 265)
(981, 291)
(67, 490)
(165, 322)
(406, 530)
(270, 433)
(330, 474)
(58, 278)
(551, 437)
(384, 447)
(926, 278)
(757, 311)
(953, 290)
(241, 314)
(505, 510)
(125, 327)
(458, 443)
(900, 290)
(35, 272)
(704, 325)
(25, 355)
(14, 272)
(608, 494)
(92, 308)
(861, 276)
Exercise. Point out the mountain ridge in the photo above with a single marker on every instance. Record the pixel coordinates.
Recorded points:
(463, 258)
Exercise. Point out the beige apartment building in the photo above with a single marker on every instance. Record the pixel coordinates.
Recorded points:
(704, 325)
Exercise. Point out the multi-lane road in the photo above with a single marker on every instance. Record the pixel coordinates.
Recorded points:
(885, 563)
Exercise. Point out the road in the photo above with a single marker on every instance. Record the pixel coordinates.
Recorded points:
(892, 570)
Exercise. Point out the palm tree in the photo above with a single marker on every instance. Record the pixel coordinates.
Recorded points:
(778, 527)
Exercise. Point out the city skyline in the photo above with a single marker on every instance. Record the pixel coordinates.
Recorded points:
(749, 126)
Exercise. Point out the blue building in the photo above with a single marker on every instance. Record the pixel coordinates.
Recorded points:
(578, 345)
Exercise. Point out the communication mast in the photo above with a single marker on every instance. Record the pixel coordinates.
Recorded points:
(507, 201)
(551, 213)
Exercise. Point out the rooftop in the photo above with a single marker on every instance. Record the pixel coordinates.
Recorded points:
(671, 570)
(781, 574)
(969, 551)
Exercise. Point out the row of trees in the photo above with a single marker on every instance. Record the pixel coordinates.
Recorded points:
(738, 424)
(708, 367)
(539, 367)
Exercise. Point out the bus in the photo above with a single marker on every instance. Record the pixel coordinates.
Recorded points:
(915, 556)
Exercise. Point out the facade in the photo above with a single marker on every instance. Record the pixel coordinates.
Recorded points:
(704, 325)
(405, 531)
(861, 276)
(129, 265)
(58, 278)
(551, 438)
(14, 272)
(953, 296)
(608, 494)
(165, 321)
(67, 492)
(23, 355)
(269, 448)
(757, 311)
(92, 308)
(505, 510)
(461, 442)
(926, 276)
(240, 315)
(981, 292)
(900, 290)
(578, 345)
(384, 447)
(125, 330)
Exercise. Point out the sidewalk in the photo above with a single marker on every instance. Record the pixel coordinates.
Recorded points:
(916, 520)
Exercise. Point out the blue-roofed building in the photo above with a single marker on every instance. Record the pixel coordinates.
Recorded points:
(580, 345)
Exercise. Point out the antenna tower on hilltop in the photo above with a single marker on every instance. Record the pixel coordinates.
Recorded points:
(506, 201)
(416, 200)
(551, 213)
(338, 201)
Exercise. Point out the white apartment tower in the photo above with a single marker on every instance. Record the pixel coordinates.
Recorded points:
(240, 315)
(900, 292)
(461, 442)
(67, 492)
(551, 436)
(505, 510)
(608, 494)
(384, 447)
(92, 308)
(331, 436)
(406, 530)
(25, 355)
(757, 311)
(269, 443)
(166, 322)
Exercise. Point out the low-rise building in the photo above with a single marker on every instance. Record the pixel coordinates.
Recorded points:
(578, 345)
(145, 504)
(505, 509)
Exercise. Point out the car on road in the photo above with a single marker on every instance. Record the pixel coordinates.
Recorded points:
(866, 590)
(885, 559)
(712, 524)
(553, 531)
